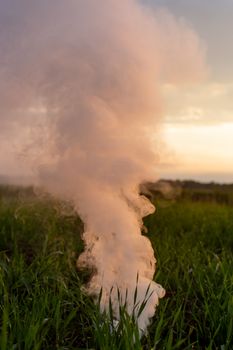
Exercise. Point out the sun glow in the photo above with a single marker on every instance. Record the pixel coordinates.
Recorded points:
(201, 148)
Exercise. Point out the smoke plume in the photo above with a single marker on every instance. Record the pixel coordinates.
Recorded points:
(80, 87)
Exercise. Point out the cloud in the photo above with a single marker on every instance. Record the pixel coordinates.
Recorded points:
(209, 103)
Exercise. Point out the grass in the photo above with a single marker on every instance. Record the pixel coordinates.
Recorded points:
(43, 306)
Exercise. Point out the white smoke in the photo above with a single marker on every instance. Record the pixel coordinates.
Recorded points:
(81, 79)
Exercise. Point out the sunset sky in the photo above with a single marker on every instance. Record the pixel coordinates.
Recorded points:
(198, 120)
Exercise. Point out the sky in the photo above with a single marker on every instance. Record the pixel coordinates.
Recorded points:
(198, 119)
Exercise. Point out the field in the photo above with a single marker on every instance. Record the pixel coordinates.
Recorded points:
(43, 305)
